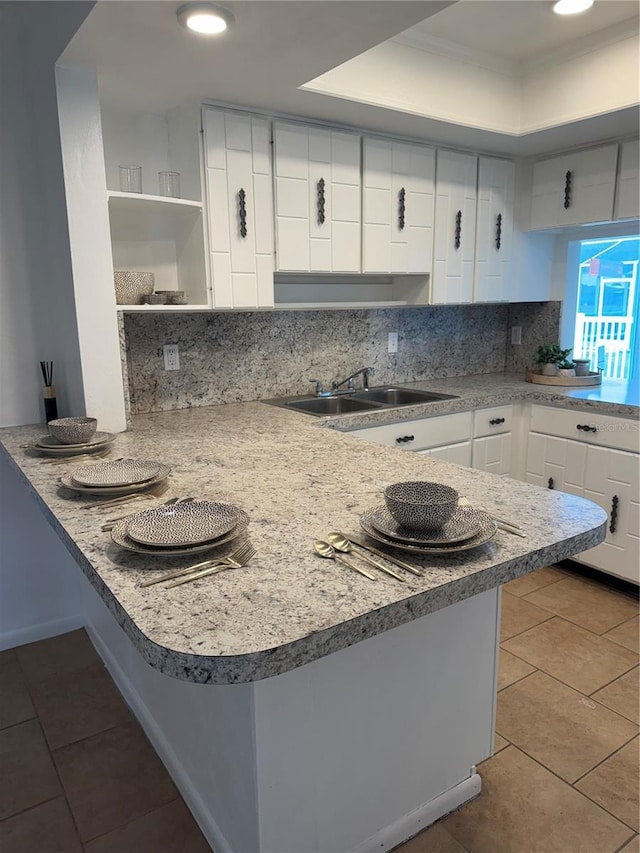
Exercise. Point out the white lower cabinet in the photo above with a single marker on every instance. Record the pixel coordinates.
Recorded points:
(492, 440)
(608, 476)
(444, 437)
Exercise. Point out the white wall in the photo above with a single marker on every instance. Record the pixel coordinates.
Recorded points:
(37, 309)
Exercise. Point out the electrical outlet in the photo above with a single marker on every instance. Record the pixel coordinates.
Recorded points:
(392, 345)
(171, 357)
(516, 334)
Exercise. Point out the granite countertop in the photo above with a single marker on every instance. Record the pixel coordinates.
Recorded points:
(613, 397)
(297, 482)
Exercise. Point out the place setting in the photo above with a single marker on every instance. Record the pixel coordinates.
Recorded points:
(426, 518)
(183, 528)
(69, 437)
(117, 479)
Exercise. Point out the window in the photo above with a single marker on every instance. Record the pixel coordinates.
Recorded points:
(607, 298)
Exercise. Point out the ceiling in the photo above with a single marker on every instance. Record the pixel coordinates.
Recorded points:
(144, 60)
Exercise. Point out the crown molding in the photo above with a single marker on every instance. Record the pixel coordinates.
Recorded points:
(460, 52)
(622, 31)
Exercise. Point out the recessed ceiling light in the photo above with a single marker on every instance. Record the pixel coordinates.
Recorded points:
(205, 18)
(571, 7)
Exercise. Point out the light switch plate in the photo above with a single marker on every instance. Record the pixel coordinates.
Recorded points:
(516, 334)
(392, 345)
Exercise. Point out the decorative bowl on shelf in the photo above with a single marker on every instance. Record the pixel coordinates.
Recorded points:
(72, 430)
(132, 286)
(155, 299)
(421, 505)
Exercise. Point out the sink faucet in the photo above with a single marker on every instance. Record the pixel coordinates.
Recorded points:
(366, 372)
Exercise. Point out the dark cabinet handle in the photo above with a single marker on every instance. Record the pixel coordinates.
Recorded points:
(498, 232)
(403, 439)
(613, 518)
(586, 428)
(550, 483)
(567, 190)
(242, 212)
(401, 208)
(496, 421)
(320, 194)
(458, 231)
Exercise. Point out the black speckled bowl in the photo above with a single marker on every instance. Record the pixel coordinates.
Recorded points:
(420, 505)
(73, 430)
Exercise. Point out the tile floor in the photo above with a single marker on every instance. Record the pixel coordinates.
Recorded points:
(563, 777)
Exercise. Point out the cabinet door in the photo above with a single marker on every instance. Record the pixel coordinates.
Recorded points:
(627, 189)
(455, 228)
(612, 480)
(556, 463)
(493, 454)
(460, 454)
(494, 230)
(398, 207)
(317, 199)
(239, 209)
(574, 188)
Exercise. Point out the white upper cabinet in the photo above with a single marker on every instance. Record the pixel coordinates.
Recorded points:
(574, 188)
(455, 228)
(239, 208)
(398, 207)
(628, 189)
(317, 199)
(494, 230)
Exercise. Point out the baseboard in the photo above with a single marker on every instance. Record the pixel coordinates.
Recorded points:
(21, 636)
(201, 814)
(622, 585)
(422, 817)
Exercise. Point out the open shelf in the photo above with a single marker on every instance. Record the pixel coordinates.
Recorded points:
(143, 203)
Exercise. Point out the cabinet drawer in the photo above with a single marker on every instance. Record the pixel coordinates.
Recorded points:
(492, 421)
(602, 430)
(421, 434)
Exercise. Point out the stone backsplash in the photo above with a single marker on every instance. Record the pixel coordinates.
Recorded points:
(228, 357)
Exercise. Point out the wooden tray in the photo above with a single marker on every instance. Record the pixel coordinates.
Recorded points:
(567, 381)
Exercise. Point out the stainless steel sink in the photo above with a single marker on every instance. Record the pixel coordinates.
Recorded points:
(361, 401)
(330, 405)
(400, 396)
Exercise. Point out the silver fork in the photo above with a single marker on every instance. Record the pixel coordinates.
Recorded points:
(233, 561)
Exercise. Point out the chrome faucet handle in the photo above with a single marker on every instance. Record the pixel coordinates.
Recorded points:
(319, 389)
(366, 373)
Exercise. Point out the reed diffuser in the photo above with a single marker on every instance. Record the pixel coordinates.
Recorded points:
(49, 393)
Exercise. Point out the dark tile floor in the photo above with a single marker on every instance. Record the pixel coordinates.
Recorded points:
(78, 774)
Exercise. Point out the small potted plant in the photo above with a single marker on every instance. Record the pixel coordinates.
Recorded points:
(566, 367)
(549, 357)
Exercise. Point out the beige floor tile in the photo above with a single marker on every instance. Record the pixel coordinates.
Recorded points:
(614, 784)
(534, 580)
(524, 808)
(435, 839)
(627, 634)
(28, 776)
(170, 829)
(67, 653)
(499, 743)
(72, 706)
(585, 603)
(517, 615)
(573, 655)
(47, 828)
(633, 846)
(112, 778)
(562, 729)
(511, 669)
(15, 702)
(622, 696)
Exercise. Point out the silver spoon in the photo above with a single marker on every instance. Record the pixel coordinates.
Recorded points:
(341, 543)
(326, 550)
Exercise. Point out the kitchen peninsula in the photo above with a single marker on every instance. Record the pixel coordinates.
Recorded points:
(299, 706)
